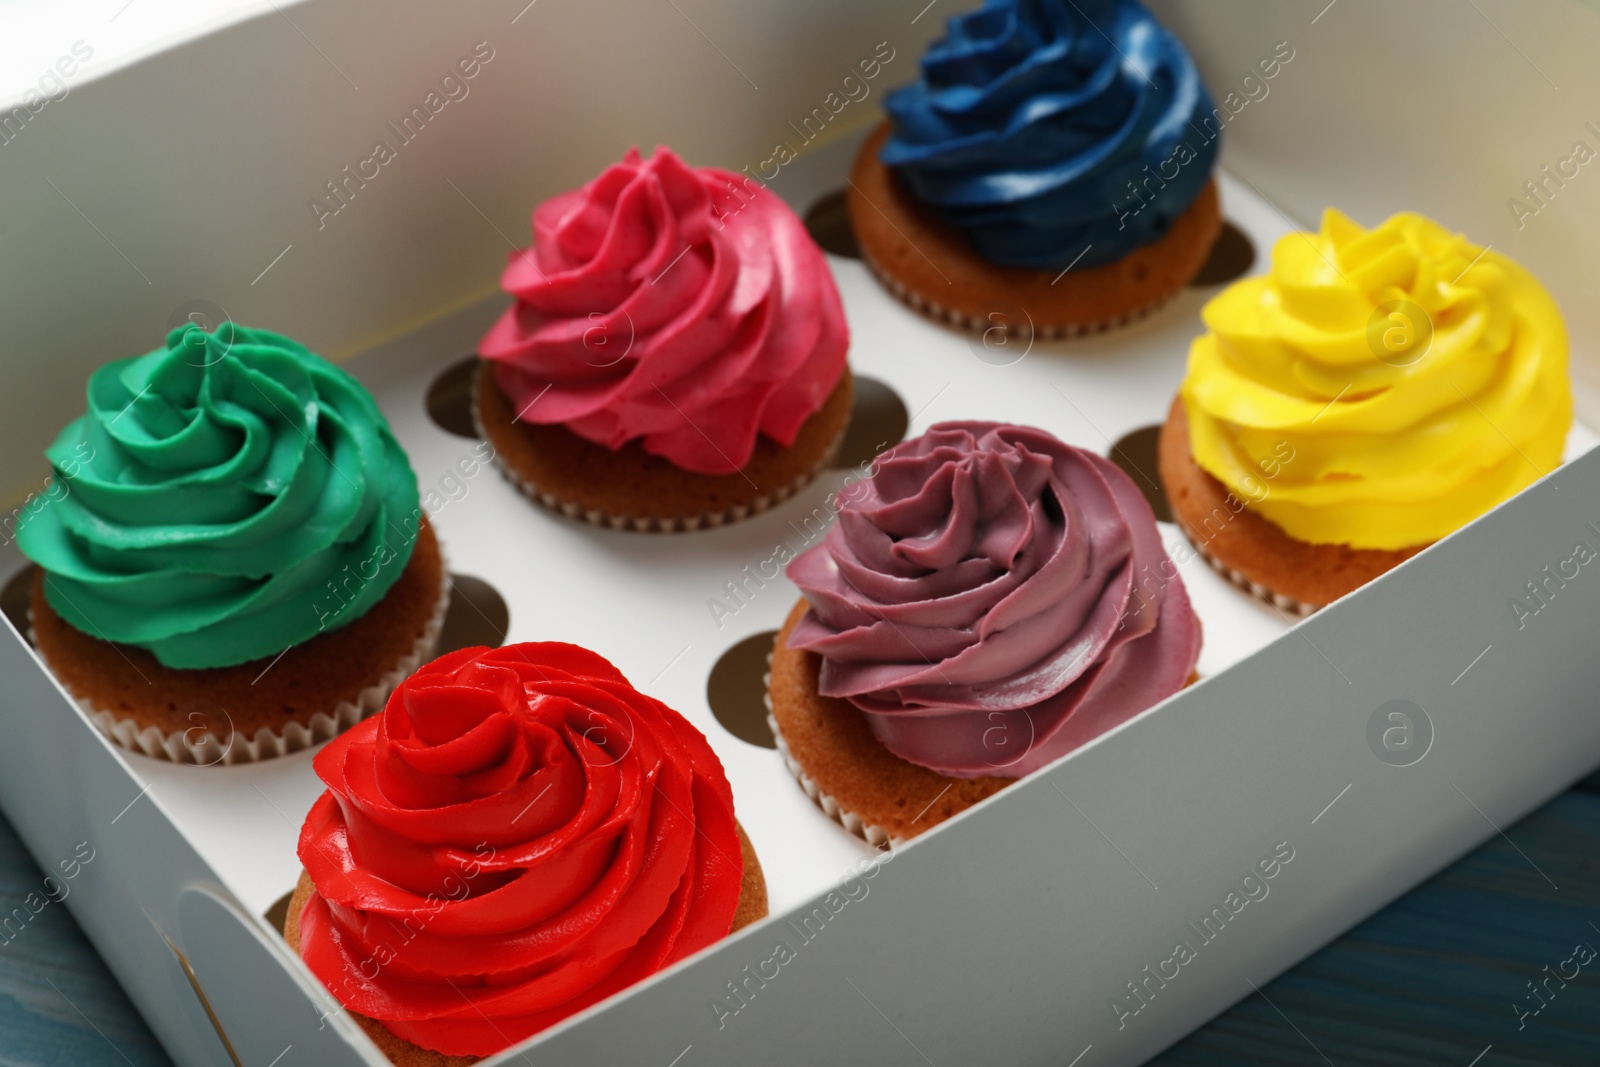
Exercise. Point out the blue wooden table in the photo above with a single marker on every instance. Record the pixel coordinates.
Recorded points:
(58, 1003)
(1446, 975)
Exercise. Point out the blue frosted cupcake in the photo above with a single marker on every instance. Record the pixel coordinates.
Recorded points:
(1050, 171)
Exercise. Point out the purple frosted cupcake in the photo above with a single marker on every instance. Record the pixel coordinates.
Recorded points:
(990, 599)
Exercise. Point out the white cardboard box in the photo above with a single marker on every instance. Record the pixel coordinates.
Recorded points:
(1007, 934)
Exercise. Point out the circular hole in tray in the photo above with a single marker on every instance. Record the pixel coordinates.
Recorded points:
(1135, 453)
(1231, 256)
(737, 689)
(878, 421)
(829, 225)
(14, 597)
(277, 916)
(450, 398)
(477, 615)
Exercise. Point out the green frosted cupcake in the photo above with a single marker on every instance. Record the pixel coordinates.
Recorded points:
(234, 562)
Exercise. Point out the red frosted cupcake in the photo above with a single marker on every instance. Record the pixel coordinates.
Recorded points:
(520, 834)
(675, 357)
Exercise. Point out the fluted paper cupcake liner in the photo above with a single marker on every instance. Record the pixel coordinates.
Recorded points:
(202, 747)
(1287, 603)
(962, 321)
(705, 520)
(868, 832)
(872, 834)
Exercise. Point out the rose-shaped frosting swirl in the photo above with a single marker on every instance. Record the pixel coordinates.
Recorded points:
(1048, 131)
(992, 598)
(520, 834)
(1419, 378)
(686, 309)
(215, 489)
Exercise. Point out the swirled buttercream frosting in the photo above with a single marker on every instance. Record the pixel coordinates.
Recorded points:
(991, 598)
(520, 834)
(226, 496)
(684, 309)
(1420, 380)
(1055, 133)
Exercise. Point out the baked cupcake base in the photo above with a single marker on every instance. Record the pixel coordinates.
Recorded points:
(263, 708)
(829, 748)
(752, 907)
(1250, 551)
(932, 267)
(629, 489)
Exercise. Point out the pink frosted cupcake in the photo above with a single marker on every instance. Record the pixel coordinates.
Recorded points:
(675, 357)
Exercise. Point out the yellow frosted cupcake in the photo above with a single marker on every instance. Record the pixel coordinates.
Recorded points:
(1377, 390)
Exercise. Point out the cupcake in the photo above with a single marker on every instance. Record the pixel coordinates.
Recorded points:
(236, 566)
(520, 834)
(990, 599)
(675, 356)
(1376, 391)
(1049, 172)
